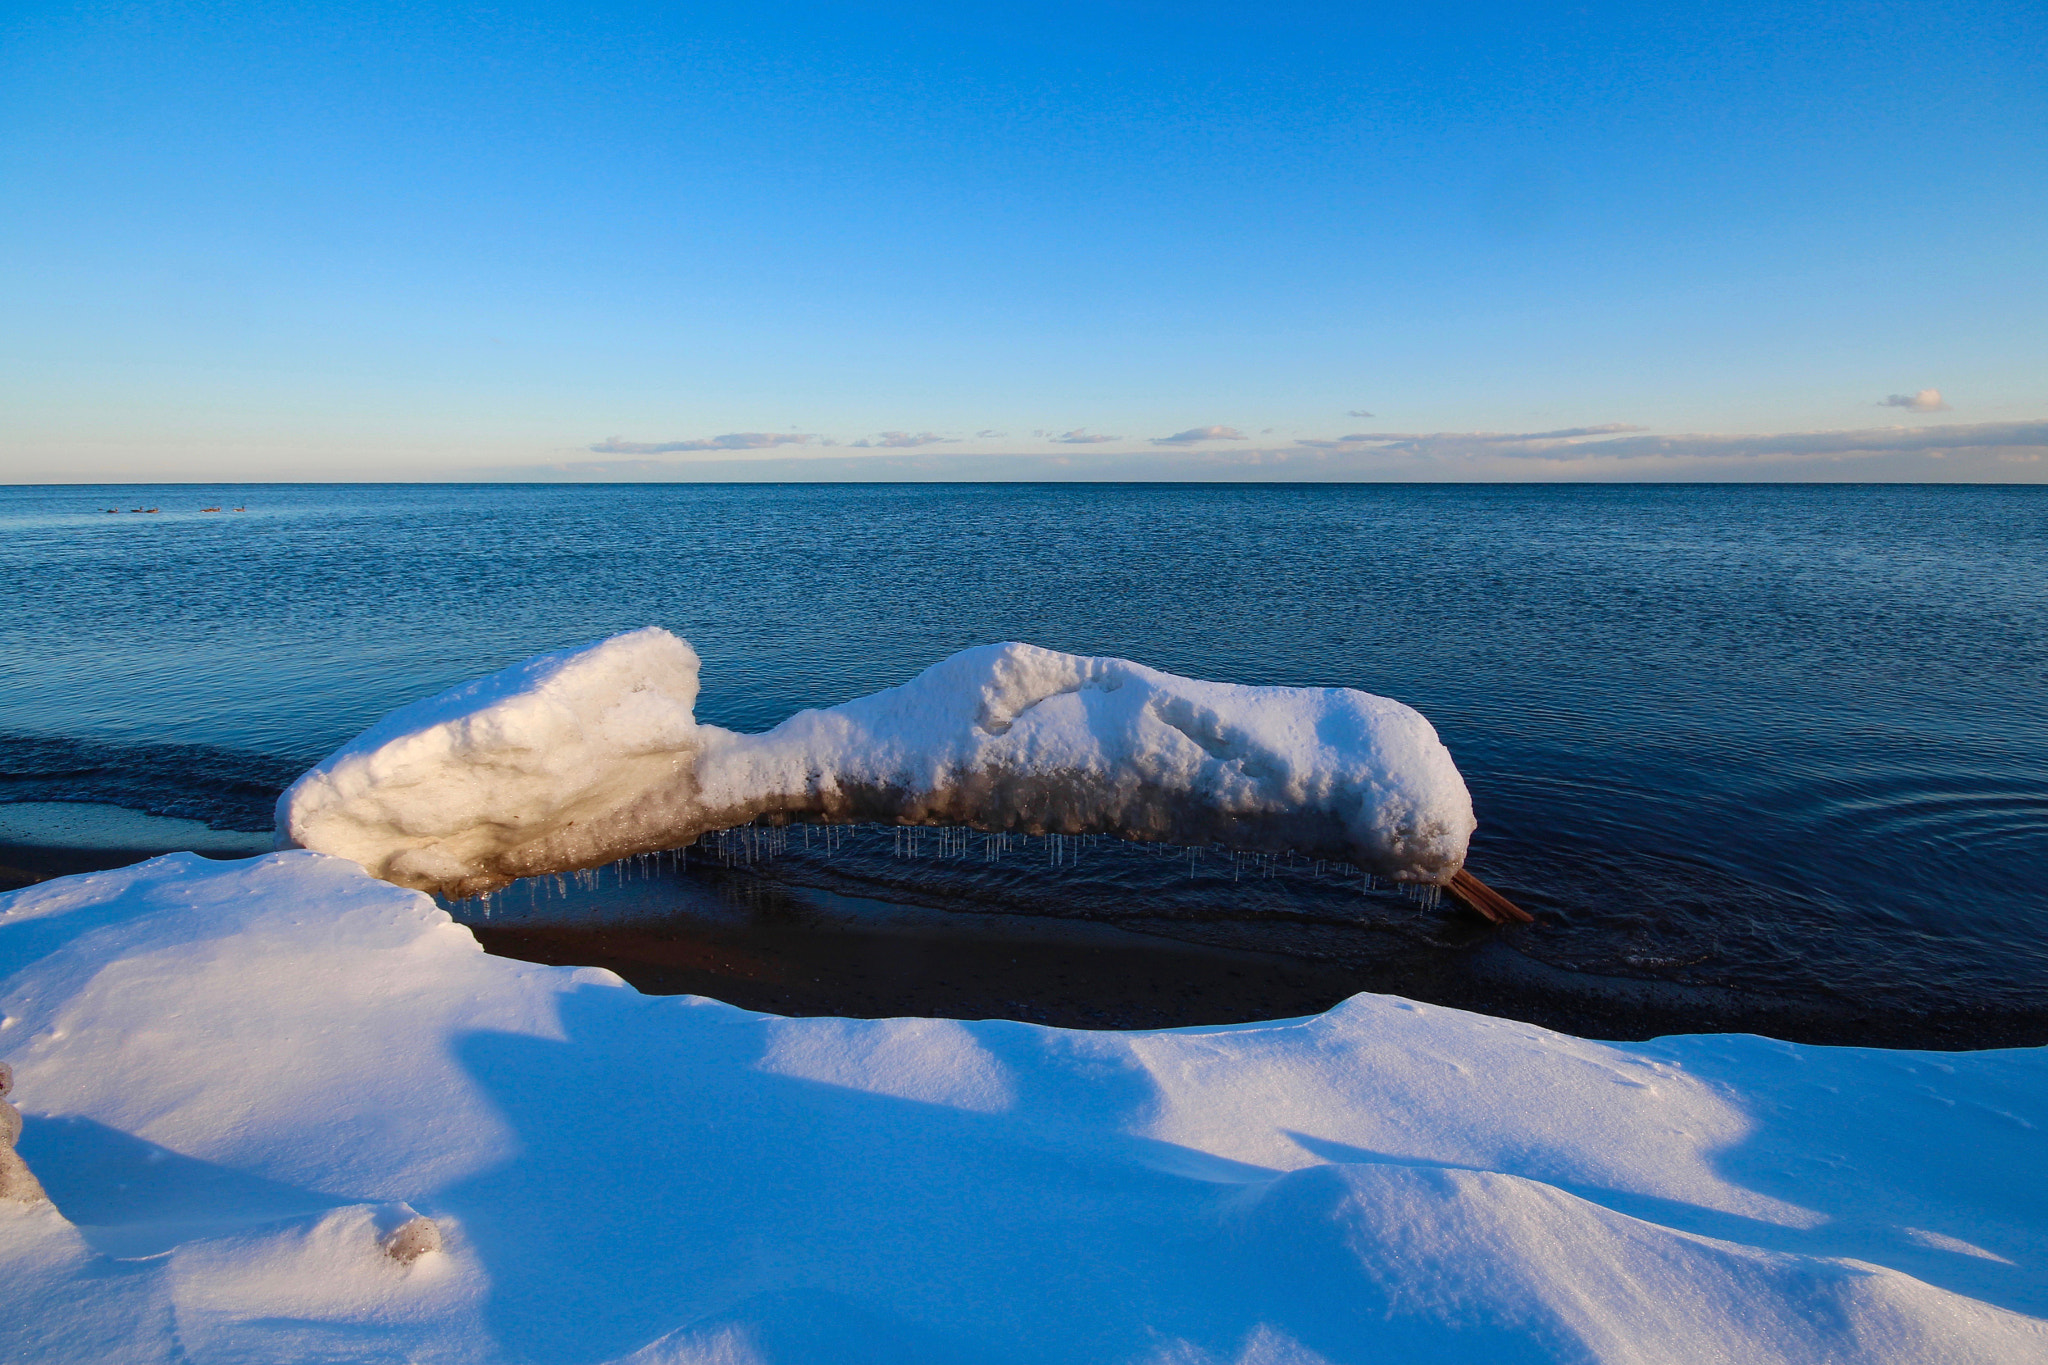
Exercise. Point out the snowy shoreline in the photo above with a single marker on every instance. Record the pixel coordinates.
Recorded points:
(239, 1076)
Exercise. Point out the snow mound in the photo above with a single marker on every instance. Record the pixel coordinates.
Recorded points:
(581, 757)
(243, 1082)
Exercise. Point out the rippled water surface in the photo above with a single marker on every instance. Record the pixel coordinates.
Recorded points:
(1784, 740)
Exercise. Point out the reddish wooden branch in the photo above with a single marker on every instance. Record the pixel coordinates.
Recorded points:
(1476, 895)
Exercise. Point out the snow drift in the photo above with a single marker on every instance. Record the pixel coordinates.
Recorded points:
(581, 757)
(243, 1082)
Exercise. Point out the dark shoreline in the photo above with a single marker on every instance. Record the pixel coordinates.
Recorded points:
(1067, 981)
(875, 959)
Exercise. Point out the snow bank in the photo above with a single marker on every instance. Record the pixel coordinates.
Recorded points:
(578, 758)
(242, 1080)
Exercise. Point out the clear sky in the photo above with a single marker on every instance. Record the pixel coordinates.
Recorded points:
(655, 241)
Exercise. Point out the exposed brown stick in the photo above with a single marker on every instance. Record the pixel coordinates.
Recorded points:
(1478, 896)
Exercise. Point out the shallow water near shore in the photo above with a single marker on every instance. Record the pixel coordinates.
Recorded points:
(1758, 754)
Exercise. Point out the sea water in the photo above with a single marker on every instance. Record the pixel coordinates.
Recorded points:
(1790, 741)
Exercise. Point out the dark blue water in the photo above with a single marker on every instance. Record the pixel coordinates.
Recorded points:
(1789, 741)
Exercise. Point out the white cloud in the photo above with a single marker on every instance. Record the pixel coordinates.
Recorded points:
(1927, 400)
(1358, 412)
(1993, 451)
(1197, 435)
(732, 440)
(903, 440)
(1079, 437)
(1416, 441)
(1620, 442)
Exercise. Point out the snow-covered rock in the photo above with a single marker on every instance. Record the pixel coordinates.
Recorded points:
(18, 1184)
(581, 757)
(242, 1081)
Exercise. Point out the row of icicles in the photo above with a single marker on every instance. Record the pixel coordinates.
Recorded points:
(747, 845)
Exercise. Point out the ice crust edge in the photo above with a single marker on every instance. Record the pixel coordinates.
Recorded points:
(581, 757)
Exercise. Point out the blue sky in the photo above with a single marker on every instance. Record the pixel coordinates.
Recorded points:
(536, 241)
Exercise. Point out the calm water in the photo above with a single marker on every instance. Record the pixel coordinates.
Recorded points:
(1786, 740)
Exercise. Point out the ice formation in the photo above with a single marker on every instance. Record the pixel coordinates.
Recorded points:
(242, 1081)
(581, 757)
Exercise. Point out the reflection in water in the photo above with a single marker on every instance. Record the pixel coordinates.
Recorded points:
(877, 921)
(874, 921)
